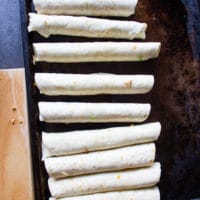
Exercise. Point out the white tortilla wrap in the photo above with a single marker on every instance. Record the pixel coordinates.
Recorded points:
(68, 143)
(91, 84)
(62, 112)
(105, 182)
(122, 8)
(95, 51)
(138, 194)
(48, 25)
(101, 161)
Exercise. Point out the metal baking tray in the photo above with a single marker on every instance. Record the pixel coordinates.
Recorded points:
(175, 98)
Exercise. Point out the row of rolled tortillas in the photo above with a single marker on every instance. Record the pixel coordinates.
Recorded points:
(91, 84)
(83, 141)
(63, 112)
(137, 194)
(48, 25)
(101, 161)
(122, 8)
(133, 156)
(105, 182)
(58, 144)
(95, 51)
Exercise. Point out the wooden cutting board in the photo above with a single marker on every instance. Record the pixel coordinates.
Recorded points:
(15, 160)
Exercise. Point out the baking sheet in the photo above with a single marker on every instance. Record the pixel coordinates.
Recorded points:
(175, 97)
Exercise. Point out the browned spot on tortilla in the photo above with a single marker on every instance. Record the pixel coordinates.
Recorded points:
(134, 48)
(118, 177)
(129, 84)
(45, 23)
(86, 149)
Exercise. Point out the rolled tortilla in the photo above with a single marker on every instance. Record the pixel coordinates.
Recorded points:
(138, 194)
(48, 25)
(101, 161)
(105, 182)
(122, 8)
(91, 84)
(68, 143)
(95, 51)
(60, 112)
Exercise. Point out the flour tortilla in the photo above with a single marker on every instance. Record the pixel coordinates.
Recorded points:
(138, 194)
(95, 51)
(68, 143)
(62, 112)
(105, 182)
(121, 8)
(101, 161)
(91, 84)
(48, 25)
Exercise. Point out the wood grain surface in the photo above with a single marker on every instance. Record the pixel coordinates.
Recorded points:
(15, 160)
